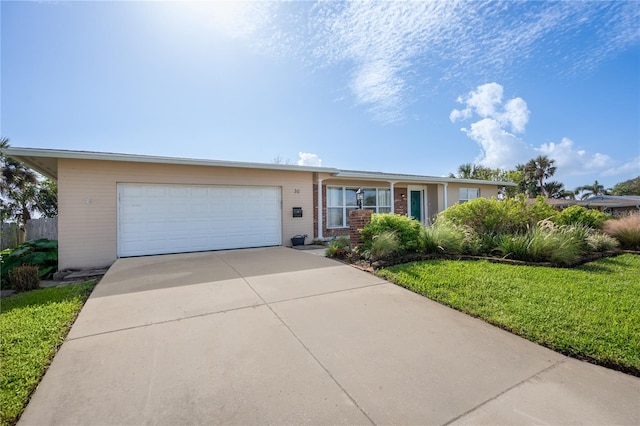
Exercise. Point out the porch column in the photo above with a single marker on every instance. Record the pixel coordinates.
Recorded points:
(393, 199)
(444, 196)
(320, 208)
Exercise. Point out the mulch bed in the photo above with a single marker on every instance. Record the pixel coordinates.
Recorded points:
(370, 267)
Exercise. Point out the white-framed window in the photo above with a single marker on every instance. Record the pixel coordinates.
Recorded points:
(341, 200)
(467, 194)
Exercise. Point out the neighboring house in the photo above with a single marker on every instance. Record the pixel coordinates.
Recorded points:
(120, 205)
(610, 204)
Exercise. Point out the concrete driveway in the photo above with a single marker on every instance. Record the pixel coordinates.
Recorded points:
(280, 336)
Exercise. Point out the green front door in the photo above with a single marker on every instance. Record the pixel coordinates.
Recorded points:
(416, 205)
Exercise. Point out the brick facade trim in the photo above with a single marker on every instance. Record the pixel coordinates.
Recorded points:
(357, 220)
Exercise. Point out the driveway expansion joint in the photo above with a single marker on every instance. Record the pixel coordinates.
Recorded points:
(327, 292)
(150, 324)
(509, 389)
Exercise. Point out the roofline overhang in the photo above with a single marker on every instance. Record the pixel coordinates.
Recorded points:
(44, 161)
(29, 155)
(387, 177)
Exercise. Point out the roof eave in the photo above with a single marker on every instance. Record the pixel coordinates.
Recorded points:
(26, 155)
(423, 179)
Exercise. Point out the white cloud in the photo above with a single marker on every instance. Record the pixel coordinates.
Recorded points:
(631, 168)
(571, 161)
(486, 102)
(499, 148)
(495, 132)
(483, 101)
(575, 161)
(385, 44)
(382, 47)
(516, 114)
(309, 159)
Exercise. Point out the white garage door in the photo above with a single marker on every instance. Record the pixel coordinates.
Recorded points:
(159, 219)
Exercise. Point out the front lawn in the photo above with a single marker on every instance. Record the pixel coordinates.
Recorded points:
(591, 312)
(32, 327)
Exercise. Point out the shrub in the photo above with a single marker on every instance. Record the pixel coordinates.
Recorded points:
(541, 210)
(42, 253)
(407, 231)
(24, 278)
(338, 247)
(384, 245)
(580, 215)
(493, 217)
(625, 230)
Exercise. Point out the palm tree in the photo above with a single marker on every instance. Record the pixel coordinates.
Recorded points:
(539, 169)
(592, 190)
(556, 190)
(465, 171)
(18, 189)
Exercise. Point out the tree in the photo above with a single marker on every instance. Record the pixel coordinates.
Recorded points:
(556, 190)
(23, 192)
(279, 160)
(477, 171)
(628, 187)
(539, 169)
(47, 198)
(527, 184)
(591, 190)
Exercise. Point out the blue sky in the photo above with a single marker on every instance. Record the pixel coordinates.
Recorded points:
(406, 87)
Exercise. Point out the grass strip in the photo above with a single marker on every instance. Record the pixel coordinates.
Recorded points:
(591, 312)
(32, 327)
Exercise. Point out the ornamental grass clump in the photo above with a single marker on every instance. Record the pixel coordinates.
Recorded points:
(626, 230)
(384, 246)
(447, 237)
(599, 242)
(545, 242)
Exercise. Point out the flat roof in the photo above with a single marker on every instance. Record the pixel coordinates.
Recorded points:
(45, 161)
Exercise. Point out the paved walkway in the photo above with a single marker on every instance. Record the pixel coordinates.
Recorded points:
(280, 336)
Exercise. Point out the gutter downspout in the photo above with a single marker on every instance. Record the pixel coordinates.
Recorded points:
(320, 208)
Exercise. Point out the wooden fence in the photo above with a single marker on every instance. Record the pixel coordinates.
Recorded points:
(44, 227)
(10, 235)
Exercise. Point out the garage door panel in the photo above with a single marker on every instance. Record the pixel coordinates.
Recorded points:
(157, 219)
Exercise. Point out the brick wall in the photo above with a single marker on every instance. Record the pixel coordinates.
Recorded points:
(400, 201)
(357, 220)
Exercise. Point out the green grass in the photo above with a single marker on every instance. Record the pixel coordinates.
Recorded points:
(32, 327)
(591, 312)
